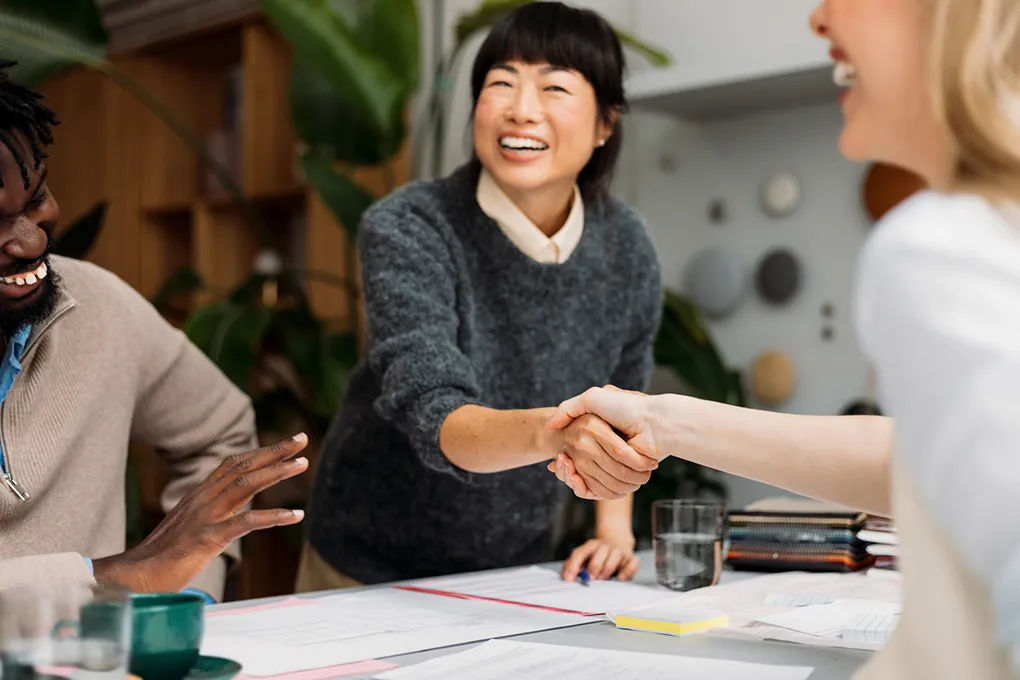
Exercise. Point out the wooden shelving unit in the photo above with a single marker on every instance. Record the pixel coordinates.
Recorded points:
(163, 212)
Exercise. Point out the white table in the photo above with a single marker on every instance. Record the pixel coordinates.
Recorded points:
(829, 664)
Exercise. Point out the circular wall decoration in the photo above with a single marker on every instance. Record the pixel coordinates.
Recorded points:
(716, 282)
(780, 194)
(773, 378)
(778, 277)
(886, 186)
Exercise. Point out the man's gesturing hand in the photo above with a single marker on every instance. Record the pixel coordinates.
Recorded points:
(207, 520)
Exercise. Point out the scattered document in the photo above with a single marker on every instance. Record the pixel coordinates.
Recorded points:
(509, 660)
(829, 620)
(871, 628)
(746, 602)
(359, 626)
(544, 588)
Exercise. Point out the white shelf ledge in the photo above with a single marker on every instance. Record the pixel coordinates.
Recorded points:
(695, 94)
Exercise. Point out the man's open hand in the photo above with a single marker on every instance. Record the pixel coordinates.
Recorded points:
(207, 520)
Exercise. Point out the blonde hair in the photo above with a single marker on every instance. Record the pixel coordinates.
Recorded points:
(976, 53)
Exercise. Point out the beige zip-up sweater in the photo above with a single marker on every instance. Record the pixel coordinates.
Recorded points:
(105, 368)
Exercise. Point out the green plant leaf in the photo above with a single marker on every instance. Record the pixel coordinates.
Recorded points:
(321, 38)
(327, 123)
(390, 29)
(230, 335)
(77, 240)
(655, 56)
(341, 194)
(47, 36)
(184, 280)
(483, 17)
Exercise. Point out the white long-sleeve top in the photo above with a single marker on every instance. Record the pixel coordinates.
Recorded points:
(938, 317)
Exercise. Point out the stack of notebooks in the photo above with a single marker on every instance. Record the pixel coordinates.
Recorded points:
(882, 542)
(795, 535)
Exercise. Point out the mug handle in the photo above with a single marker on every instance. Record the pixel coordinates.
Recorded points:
(65, 629)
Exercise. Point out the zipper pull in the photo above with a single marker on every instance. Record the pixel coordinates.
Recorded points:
(18, 490)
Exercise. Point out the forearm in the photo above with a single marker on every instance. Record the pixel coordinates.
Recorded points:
(839, 459)
(614, 518)
(485, 440)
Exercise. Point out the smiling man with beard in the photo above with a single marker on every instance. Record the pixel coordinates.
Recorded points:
(87, 365)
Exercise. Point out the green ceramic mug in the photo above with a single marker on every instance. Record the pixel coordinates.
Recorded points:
(166, 634)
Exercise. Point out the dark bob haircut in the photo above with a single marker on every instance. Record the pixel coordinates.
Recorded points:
(566, 37)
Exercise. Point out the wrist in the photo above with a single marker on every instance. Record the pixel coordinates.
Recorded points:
(548, 443)
(617, 533)
(673, 425)
(120, 570)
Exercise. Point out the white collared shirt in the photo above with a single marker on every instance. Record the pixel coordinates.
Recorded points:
(522, 232)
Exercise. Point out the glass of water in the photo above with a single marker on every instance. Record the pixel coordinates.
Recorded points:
(688, 537)
(76, 631)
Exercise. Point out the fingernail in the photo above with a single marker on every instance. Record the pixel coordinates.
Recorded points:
(300, 438)
(300, 514)
(302, 461)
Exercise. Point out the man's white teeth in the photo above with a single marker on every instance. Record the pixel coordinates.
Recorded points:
(844, 74)
(522, 144)
(32, 277)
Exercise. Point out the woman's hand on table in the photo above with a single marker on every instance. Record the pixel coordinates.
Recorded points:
(607, 555)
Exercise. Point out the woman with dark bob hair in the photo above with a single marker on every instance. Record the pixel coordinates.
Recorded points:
(492, 295)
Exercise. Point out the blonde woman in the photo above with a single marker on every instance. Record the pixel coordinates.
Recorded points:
(933, 86)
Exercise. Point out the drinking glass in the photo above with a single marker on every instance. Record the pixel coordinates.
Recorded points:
(688, 537)
(77, 631)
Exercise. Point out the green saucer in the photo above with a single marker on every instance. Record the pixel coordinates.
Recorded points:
(213, 668)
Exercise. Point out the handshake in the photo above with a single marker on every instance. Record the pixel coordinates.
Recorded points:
(610, 442)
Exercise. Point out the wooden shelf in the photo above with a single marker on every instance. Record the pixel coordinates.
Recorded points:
(695, 94)
(162, 216)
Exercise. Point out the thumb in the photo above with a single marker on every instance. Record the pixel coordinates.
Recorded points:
(572, 409)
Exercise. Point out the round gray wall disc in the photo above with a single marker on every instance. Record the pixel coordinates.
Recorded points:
(778, 277)
(716, 282)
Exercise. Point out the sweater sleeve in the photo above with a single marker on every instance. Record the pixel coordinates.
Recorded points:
(938, 286)
(634, 371)
(187, 409)
(37, 570)
(410, 287)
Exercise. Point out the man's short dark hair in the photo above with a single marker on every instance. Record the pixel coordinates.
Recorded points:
(22, 113)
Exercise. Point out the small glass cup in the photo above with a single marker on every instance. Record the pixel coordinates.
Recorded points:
(65, 630)
(688, 537)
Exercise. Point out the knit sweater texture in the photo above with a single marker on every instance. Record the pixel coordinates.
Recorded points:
(458, 315)
(103, 369)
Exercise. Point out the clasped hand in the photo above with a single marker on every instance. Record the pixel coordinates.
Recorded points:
(596, 462)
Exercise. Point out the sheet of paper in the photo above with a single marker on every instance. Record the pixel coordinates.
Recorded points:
(348, 669)
(358, 626)
(509, 660)
(289, 602)
(744, 602)
(874, 628)
(538, 587)
(829, 620)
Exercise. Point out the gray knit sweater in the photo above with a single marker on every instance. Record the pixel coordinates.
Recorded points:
(458, 315)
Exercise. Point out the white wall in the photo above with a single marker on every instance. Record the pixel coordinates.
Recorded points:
(728, 159)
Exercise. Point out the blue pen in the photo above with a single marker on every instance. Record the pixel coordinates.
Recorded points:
(583, 577)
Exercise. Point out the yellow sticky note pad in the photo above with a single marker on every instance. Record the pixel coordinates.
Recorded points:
(671, 622)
